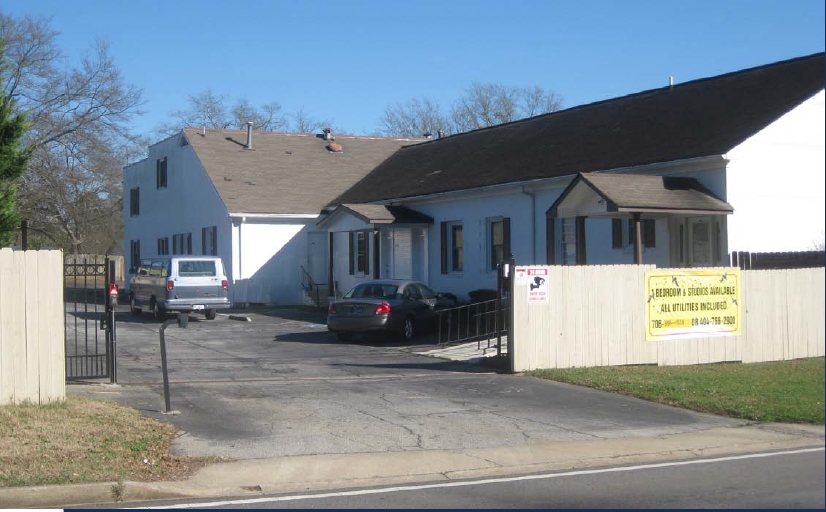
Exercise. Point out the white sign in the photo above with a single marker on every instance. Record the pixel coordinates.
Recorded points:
(537, 281)
(521, 274)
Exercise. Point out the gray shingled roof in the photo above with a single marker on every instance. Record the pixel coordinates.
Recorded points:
(690, 120)
(285, 173)
(635, 192)
(380, 214)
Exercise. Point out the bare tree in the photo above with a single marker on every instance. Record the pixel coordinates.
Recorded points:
(416, 118)
(80, 135)
(303, 122)
(481, 105)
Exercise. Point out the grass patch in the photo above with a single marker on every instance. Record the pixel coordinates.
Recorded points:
(783, 391)
(81, 440)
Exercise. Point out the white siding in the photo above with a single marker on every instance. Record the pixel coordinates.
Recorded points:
(776, 183)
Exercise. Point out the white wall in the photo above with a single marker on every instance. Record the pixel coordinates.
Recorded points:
(188, 203)
(267, 255)
(776, 183)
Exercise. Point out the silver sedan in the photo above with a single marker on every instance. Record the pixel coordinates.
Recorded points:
(386, 305)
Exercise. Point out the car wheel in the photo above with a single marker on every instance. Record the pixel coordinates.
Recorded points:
(344, 336)
(209, 314)
(407, 329)
(157, 310)
(133, 306)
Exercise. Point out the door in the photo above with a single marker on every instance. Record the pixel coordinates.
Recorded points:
(700, 242)
(317, 257)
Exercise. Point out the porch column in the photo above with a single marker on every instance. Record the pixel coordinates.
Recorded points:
(376, 253)
(637, 239)
(580, 241)
(331, 285)
(550, 239)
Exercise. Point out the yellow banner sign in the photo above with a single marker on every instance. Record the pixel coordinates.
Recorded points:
(692, 303)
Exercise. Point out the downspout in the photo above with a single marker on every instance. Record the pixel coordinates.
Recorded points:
(532, 195)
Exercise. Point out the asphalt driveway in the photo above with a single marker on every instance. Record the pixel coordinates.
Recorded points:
(281, 384)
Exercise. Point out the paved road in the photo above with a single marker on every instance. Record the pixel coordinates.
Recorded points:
(281, 385)
(786, 479)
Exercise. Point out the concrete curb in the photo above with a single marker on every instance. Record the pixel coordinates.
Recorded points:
(311, 473)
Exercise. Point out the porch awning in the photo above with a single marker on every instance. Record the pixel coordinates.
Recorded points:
(380, 214)
(607, 195)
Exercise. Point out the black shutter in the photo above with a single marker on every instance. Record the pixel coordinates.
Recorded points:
(350, 252)
(444, 246)
(215, 240)
(632, 232)
(189, 243)
(203, 241)
(648, 233)
(616, 233)
(506, 239)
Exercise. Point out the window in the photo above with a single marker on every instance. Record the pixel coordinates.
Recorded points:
(134, 201)
(209, 241)
(453, 247)
(569, 241)
(359, 253)
(500, 234)
(163, 246)
(182, 243)
(648, 233)
(160, 172)
(134, 253)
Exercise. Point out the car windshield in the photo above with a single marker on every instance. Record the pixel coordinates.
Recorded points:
(372, 291)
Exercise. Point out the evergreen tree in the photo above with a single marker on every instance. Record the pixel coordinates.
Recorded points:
(14, 158)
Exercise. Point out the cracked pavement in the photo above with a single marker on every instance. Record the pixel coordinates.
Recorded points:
(281, 385)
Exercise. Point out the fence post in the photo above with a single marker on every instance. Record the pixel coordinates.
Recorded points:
(511, 306)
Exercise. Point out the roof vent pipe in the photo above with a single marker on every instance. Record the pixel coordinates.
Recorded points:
(671, 81)
(440, 133)
(249, 134)
(327, 134)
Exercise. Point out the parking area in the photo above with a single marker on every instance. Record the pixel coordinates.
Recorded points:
(281, 384)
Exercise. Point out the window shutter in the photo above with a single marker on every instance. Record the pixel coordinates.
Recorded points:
(203, 241)
(215, 240)
(444, 246)
(616, 233)
(189, 243)
(366, 253)
(649, 233)
(506, 238)
(350, 252)
(632, 231)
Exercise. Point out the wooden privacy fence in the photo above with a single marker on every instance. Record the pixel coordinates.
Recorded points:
(595, 316)
(32, 364)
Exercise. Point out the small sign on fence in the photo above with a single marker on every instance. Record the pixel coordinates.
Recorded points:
(692, 303)
(536, 279)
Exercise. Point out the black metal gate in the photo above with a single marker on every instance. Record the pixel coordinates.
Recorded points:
(90, 329)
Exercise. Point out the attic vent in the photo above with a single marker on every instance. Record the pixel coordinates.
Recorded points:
(335, 147)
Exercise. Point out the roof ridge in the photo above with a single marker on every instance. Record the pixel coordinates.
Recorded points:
(199, 129)
(631, 95)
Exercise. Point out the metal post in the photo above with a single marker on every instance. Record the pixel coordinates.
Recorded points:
(24, 235)
(511, 307)
(112, 327)
(182, 320)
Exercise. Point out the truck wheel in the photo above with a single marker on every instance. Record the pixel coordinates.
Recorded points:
(158, 311)
(209, 314)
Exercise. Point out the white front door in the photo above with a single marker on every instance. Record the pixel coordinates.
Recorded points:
(317, 257)
(701, 248)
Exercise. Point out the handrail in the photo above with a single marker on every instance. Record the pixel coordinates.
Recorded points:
(308, 284)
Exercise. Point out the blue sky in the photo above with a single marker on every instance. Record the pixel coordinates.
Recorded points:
(347, 61)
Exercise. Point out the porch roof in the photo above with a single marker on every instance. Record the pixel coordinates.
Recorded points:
(380, 214)
(599, 194)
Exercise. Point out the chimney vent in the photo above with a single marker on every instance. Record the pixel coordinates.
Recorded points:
(328, 134)
(671, 81)
(440, 133)
(249, 134)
